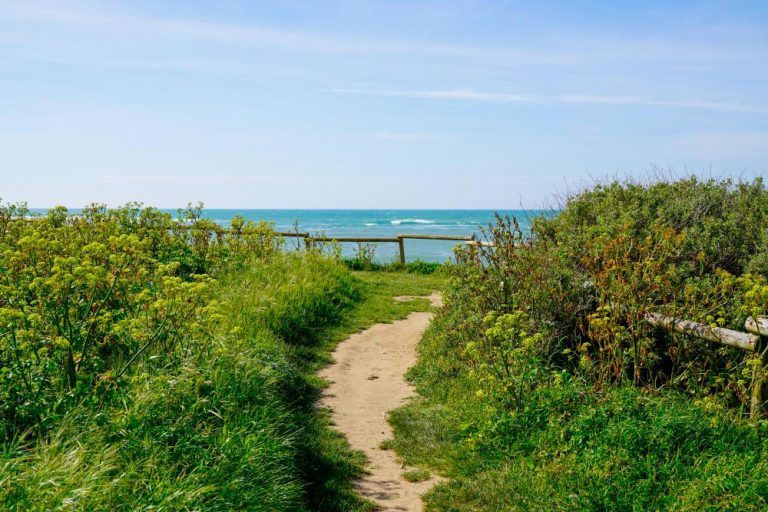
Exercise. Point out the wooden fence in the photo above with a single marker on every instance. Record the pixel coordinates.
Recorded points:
(309, 240)
(754, 340)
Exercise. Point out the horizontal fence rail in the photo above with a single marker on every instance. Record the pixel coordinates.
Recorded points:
(757, 326)
(360, 239)
(398, 239)
(738, 339)
(754, 340)
(437, 237)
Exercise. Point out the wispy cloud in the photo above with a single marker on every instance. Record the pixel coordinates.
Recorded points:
(561, 48)
(406, 136)
(189, 179)
(503, 97)
(116, 20)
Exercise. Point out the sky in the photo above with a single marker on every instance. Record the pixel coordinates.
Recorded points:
(373, 104)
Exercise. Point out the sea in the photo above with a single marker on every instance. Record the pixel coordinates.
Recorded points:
(379, 223)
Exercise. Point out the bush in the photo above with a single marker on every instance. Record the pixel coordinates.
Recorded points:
(81, 300)
(588, 277)
(547, 389)
(567, 445)
(128, 380)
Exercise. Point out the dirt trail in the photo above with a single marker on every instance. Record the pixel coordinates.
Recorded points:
(368, 381)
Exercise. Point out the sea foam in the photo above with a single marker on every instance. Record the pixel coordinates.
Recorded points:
(411, 221)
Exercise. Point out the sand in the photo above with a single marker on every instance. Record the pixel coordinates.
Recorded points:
(368, 381)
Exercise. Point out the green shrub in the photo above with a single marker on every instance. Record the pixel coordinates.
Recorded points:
(588, 277)
(571, 446)
(188, 392)
(725, 221)
(81, 299)
(547, 389)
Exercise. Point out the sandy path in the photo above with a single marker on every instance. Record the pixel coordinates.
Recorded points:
(368, 381)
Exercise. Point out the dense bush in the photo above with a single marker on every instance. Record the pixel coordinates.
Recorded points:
(156, 363)
(546, 387)
(588, 277)
(725, 221)
(83, 297)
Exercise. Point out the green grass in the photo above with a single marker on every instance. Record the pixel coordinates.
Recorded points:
(417, 475)
(412, 267)
(376, 304)
(235, 427)
(387, 444)
(572, 447)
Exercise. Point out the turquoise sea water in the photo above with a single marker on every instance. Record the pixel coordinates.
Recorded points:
(379, 223)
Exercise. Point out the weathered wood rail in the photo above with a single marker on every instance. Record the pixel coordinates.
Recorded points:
(754, 340)
(738, 339)
(309, 240)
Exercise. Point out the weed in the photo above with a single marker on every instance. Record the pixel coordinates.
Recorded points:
(417, 475)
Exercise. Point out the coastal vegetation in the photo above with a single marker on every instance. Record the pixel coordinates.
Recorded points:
(544, 386)
(151, 362)
(157, 362)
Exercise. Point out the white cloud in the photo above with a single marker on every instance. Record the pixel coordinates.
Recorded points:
(188, 179)
(561, 48)
(406, 136)
(115, 20)
(497, 97)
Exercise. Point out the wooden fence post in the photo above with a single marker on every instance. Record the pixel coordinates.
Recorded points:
(401, 243)
(759, 326)
(759, 383)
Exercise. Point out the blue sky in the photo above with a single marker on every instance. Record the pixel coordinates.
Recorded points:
(372, 104)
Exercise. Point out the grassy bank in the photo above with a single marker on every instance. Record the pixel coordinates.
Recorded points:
(151, 366)
(227, 427)
(572, 447)
(545, 390)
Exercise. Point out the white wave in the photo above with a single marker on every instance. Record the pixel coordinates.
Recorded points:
(369, 224)
(411, 221)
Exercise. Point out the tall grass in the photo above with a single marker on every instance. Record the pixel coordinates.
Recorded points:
(229, 428)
